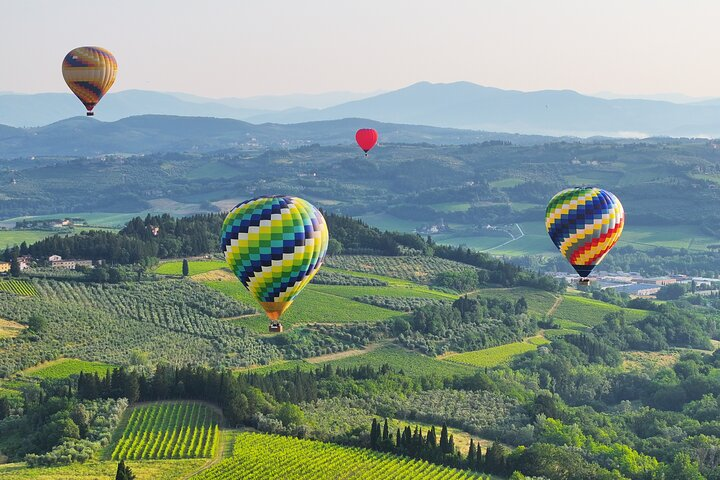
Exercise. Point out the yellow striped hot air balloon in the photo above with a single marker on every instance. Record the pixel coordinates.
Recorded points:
(584, 223)
(89, 72)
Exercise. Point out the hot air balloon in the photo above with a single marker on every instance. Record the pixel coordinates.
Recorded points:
(584, 223)
(275, 246)
(89, 72)
(366, 138)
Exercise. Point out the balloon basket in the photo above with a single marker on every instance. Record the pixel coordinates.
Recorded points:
(275, 327)
(584, 283)
(90, 114)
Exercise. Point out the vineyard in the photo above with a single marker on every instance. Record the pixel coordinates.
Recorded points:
(589, 312)
(169, 430)
(494, 356)
(414, 269)
(262, 456)
(65, 367)
(18, 287)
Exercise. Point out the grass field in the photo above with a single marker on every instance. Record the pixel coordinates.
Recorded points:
(589, 312)
(494, 356)
(451, 207)
(282, 365)
(65, 367)
(18, 287)
(256, 457)
(103, 470)
(412, 363)
(312, 306)
(10, 238)
(169, 430)
(10, 329)
(195, 267)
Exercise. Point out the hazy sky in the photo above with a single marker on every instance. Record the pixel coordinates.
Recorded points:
(243, 48)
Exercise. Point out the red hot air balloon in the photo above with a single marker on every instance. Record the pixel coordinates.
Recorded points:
(366, 138)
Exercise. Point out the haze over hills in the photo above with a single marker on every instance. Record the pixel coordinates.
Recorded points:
(85, 136)
(35, 110)
(455, 105)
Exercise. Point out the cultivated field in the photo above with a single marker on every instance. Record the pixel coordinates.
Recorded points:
(18, 287)
(262, 456)
(169, 430)
(65, 367)
(494, 356)
(194, 267)
(412, 363)
(313, 305)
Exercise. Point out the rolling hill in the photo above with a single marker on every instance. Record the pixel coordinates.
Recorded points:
(85, 136)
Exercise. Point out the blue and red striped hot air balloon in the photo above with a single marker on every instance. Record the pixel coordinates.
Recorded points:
(584, 224)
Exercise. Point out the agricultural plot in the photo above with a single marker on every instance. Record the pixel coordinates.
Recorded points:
(409, 290)
(175, 321)
(589, 312)
(10, 238)
(414, 269)
(65, 367)
(256, 457)
(412, 363)
(539, 302)
(494, 356)
(10, 329)
(18, 287)
(314, 305)
(194, 267)
(105, 470)
(169, 430)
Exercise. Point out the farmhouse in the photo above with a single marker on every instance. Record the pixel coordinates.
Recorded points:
(4, 267)
(56, 261)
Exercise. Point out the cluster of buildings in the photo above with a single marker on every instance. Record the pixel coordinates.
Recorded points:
(55, 261)
(636, 285)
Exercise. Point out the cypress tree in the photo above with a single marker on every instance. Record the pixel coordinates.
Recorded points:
(451, 445)
(444, 439)
(397, 438)
(374, 434)
(471, 455)
(432, 438)
(185, 268)
(386, 432)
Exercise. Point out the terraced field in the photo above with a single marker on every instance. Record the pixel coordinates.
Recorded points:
(256, 457)
(169, 430)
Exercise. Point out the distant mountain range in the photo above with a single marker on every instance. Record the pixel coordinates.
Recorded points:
(86, 136)
(455, 105)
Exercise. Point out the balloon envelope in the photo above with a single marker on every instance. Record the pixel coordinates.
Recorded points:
(366, 138)
(89, 72)
(275, 246)
(584, 224)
